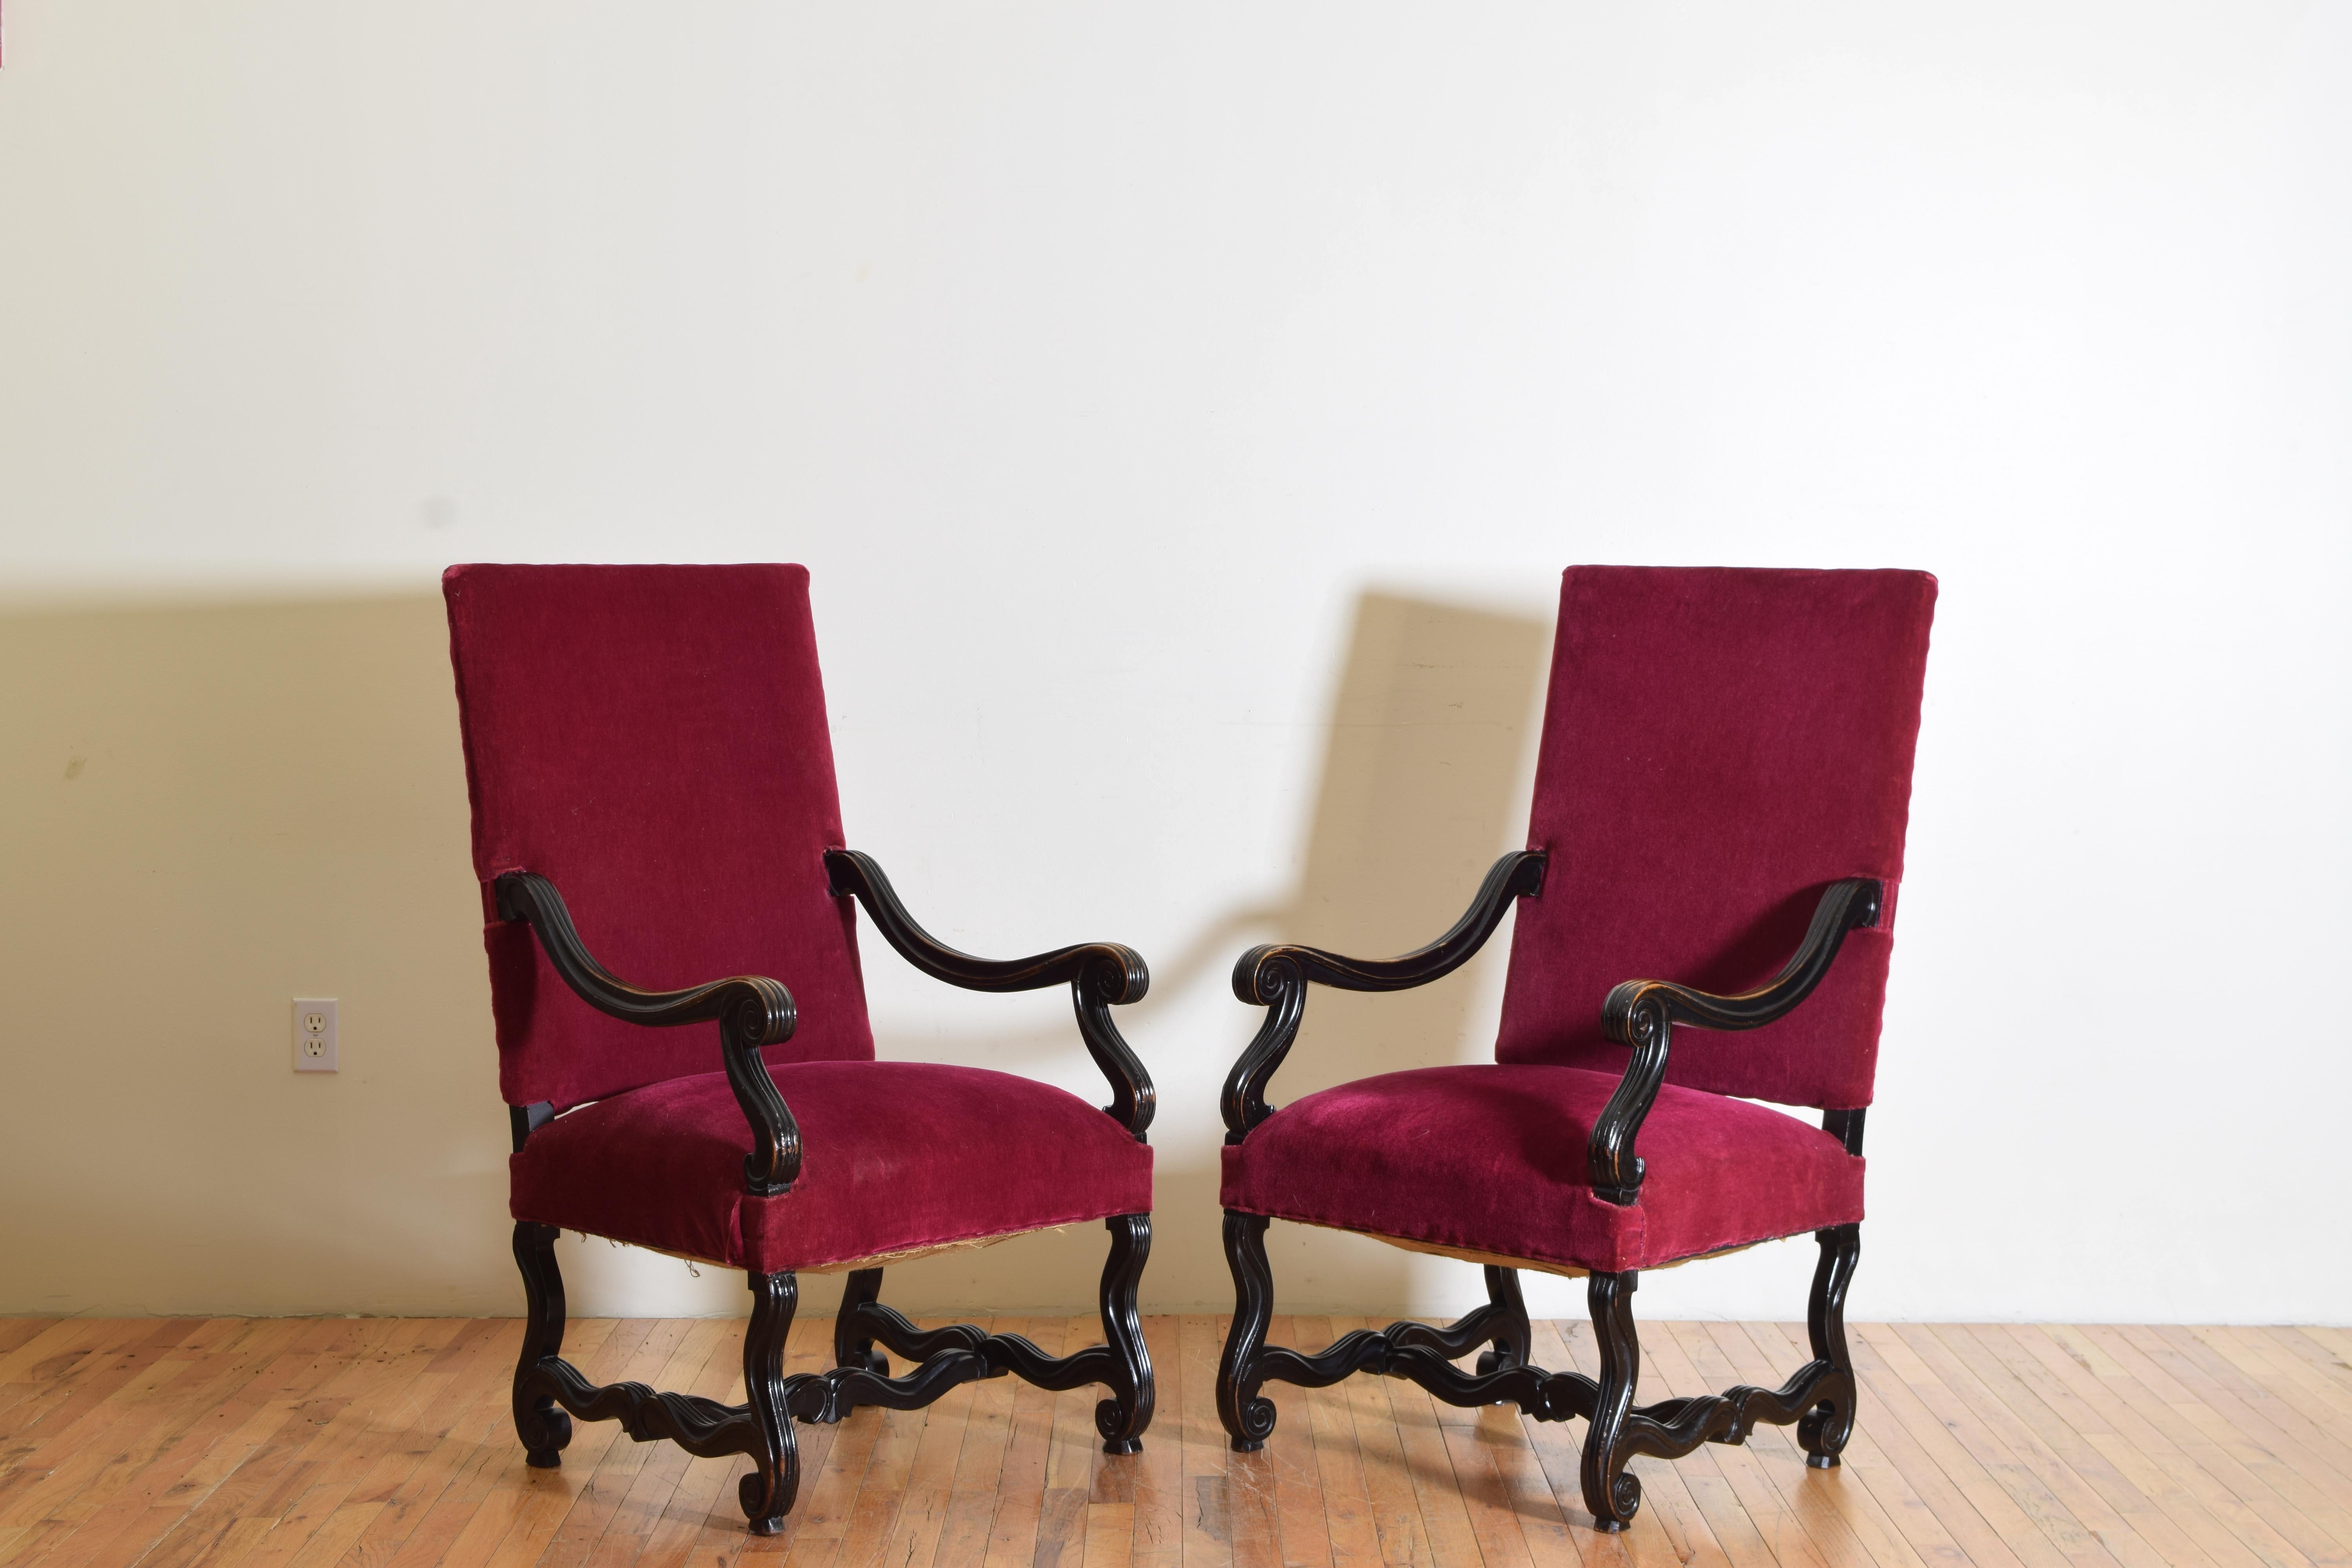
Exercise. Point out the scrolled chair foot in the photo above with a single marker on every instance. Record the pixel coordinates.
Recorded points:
(546, 1432)
(1121, 1423)
(1822, 1431)
(1624, 1502)
(762, 1511)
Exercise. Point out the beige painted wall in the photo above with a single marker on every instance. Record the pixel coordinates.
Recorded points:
(212, 809)
(205, 812)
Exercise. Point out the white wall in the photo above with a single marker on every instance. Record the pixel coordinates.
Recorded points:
(1100, 361)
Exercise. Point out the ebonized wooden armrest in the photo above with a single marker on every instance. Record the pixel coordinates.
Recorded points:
(1642, 1013)
(1276, 977)
(1100, 974)
(751, 1010)
(854, 873)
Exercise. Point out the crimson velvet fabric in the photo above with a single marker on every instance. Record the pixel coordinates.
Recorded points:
(653, 740)
(1718, 746)
(1491, 1158)
(896, 1156)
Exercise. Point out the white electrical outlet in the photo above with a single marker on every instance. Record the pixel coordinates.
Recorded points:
(314, 1033)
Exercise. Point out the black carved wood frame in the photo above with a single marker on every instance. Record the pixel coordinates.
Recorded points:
(752, 1012)
(1642, 1014)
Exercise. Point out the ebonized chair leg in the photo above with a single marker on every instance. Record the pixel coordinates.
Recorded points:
(544, 1429)
(851, 1348)
(767, 1492)
(1614, 1496)
(1513, 1340)
(1122, 1418)
(1823, 1429)
(1248, 1419)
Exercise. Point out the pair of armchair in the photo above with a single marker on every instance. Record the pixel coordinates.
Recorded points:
(1721, 794)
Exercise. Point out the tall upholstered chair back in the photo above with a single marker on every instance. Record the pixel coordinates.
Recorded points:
(653, 740)
(1718, 745)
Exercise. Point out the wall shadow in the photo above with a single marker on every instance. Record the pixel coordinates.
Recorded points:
(1424, 781)
(1430, 733)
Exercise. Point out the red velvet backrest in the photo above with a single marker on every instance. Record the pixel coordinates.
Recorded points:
(653, 740)
(1718, 746)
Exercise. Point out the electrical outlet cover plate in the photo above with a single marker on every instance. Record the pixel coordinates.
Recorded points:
(314, 1033)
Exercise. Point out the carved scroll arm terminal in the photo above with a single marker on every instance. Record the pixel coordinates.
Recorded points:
(1642, 1013)
(751, 1010)
(1276, 977)
(1100, 974)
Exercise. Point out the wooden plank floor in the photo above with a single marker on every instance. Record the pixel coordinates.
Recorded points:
(300, 1443)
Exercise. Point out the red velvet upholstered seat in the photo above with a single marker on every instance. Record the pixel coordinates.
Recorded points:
(1490, 1160)
(902, 1156)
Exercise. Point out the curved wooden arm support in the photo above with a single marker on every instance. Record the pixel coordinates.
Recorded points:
(1276, 977)
(1642, 1013)
(1100, 974)
(1123, 978)
(751, 1010)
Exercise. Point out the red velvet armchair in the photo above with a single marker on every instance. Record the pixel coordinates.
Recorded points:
(651, 741)
(1721, 797)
